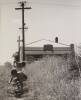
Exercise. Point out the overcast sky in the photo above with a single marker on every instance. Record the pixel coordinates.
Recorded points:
(47, 19)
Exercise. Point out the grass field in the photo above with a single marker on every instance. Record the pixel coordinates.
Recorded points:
(48, 79)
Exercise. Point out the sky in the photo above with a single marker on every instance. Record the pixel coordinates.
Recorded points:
(47, 19)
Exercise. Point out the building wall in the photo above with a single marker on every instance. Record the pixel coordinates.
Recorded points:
(35, 53)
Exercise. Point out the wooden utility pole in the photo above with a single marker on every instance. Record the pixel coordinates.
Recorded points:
(19, 46)
(22, 4)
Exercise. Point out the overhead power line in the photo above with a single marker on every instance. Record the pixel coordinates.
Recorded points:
(46, 40)
(44, 3)
(7, 3)
(55, 3)
(34, 42)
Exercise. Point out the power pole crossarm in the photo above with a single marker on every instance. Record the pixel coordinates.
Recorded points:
(23, 25)
(24, 8)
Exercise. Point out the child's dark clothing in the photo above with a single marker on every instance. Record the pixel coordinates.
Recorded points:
(21, 76)
(17, 76)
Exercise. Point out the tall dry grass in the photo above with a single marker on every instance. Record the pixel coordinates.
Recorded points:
(4, 78)
(50, 79)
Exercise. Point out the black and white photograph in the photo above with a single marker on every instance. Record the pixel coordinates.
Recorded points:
(40, 49)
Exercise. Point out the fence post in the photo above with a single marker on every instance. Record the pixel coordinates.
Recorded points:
(73, 61)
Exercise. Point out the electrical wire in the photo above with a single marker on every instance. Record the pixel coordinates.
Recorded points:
(58, 42)
(34, 42)
(53, 3)
(46, 40)
(43, 3)
(7, 3)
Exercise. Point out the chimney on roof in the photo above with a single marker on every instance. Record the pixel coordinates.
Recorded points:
(56, 39)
